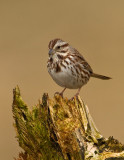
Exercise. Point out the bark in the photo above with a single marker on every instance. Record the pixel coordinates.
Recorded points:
(60, 129)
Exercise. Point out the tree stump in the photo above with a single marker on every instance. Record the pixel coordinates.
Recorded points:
(60, 129)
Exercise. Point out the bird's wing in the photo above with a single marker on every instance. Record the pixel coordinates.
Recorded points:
(82, 61)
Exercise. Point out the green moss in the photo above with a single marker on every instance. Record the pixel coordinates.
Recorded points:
(33, 129)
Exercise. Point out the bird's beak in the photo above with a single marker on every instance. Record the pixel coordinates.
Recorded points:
(51, 52)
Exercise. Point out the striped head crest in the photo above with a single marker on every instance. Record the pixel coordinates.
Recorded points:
(53, 44)
(58, 47)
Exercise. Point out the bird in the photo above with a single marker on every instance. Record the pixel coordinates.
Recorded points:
(68, 68)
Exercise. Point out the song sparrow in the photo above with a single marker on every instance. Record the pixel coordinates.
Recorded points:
(67, 66)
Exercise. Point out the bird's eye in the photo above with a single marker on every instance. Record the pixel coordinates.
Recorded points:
(58, 47)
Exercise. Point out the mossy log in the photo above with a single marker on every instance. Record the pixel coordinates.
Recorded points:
(60, 129)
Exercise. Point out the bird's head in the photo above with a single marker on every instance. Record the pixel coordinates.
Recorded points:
(58, 47)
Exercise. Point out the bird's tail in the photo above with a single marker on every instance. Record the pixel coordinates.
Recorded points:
(100, 76)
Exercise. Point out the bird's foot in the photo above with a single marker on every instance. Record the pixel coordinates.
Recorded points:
(75, 96)
(60, 93)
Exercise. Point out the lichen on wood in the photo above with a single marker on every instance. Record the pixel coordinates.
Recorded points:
(60, 129)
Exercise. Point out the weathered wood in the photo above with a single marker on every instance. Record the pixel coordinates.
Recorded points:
(59, 129)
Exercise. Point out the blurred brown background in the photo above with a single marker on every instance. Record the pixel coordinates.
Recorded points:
(93, 27)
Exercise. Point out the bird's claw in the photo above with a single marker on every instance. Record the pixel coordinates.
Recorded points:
(71, 99)
(61, 94)
(75, 96)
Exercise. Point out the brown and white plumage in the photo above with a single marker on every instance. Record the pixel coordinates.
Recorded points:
(67, 66)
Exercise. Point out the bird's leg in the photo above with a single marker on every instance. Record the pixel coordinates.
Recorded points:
(61, 93)
(76, 95)
(77, 92)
